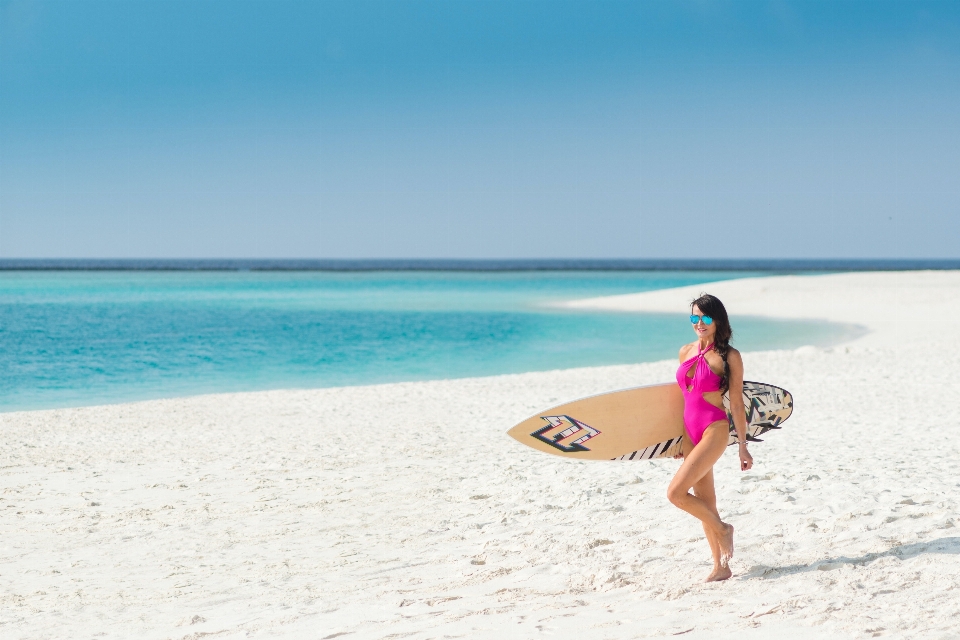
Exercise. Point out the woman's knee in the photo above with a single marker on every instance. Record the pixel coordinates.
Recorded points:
(676, 494)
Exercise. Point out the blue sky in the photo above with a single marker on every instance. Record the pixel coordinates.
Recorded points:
(479, 129)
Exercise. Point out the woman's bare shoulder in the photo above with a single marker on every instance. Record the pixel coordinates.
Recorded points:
(684, 354)
(734, 361)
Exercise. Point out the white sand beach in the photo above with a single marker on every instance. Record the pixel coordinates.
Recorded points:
(403, 510)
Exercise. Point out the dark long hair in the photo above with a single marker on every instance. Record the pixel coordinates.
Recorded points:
(711, 306)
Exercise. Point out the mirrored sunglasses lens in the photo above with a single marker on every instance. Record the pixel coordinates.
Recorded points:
(707, 320)
(694, 319)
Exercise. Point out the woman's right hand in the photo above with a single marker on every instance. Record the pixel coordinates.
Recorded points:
(746, 460)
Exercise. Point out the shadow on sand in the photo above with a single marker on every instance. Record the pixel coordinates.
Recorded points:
(904, 551)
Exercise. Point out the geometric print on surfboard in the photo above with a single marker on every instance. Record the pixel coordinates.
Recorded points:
(666, 449)
(766, 408)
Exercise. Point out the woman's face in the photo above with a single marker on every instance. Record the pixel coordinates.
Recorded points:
(703, 330)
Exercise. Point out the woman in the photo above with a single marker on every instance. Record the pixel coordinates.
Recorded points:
(709, 366)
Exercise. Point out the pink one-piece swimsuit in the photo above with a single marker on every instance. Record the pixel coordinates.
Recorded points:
(698, 414)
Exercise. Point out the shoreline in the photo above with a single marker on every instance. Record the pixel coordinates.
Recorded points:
(404, 508)
(838, 297)
(41, 392)
(189, 334)
(825, 336)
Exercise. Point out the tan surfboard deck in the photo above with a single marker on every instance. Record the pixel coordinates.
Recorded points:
(642, 423)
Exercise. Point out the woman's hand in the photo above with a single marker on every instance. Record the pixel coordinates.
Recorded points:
(746, 460)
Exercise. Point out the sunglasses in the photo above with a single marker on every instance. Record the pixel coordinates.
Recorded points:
(707, 320)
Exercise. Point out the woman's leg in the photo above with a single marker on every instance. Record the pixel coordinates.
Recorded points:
(696, 465)
(706, 491)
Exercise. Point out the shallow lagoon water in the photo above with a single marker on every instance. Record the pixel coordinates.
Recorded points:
(82, 338)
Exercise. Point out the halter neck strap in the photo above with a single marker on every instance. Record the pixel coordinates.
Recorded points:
(705, 349)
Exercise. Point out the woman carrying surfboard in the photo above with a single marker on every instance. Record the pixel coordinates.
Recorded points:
(709, 367)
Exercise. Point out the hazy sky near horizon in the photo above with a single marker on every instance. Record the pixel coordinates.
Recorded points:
(480, 129)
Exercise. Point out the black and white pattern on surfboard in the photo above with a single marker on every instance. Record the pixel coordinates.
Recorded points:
(570, 426)
(666, 449)
(766, 407)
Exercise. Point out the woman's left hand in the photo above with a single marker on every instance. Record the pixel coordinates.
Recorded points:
(746, 460)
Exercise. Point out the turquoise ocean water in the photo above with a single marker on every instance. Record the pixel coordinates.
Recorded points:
(81, 338)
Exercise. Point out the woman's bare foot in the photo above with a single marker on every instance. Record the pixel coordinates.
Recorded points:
(719, 573)
(725, 538)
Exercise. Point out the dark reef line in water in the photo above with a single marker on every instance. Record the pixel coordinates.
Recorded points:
(791, 265)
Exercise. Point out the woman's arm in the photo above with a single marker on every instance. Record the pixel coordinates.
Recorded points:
(737, 410)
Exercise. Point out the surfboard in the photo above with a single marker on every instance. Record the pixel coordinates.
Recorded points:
(642, 423)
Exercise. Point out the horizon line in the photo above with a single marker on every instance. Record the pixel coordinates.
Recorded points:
(478, 264)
